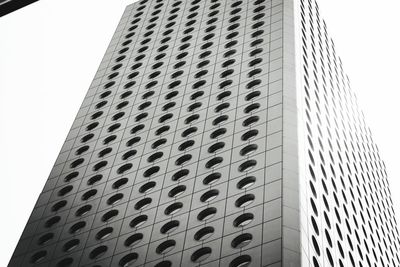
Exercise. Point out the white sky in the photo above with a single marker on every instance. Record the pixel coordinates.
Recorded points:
(50, 51)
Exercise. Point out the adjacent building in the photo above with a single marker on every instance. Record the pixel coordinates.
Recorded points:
(216, 133)
(8, 6)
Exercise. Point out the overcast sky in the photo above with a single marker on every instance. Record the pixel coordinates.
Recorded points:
(50, 51)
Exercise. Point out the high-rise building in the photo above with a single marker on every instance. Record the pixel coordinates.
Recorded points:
(216, 133)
